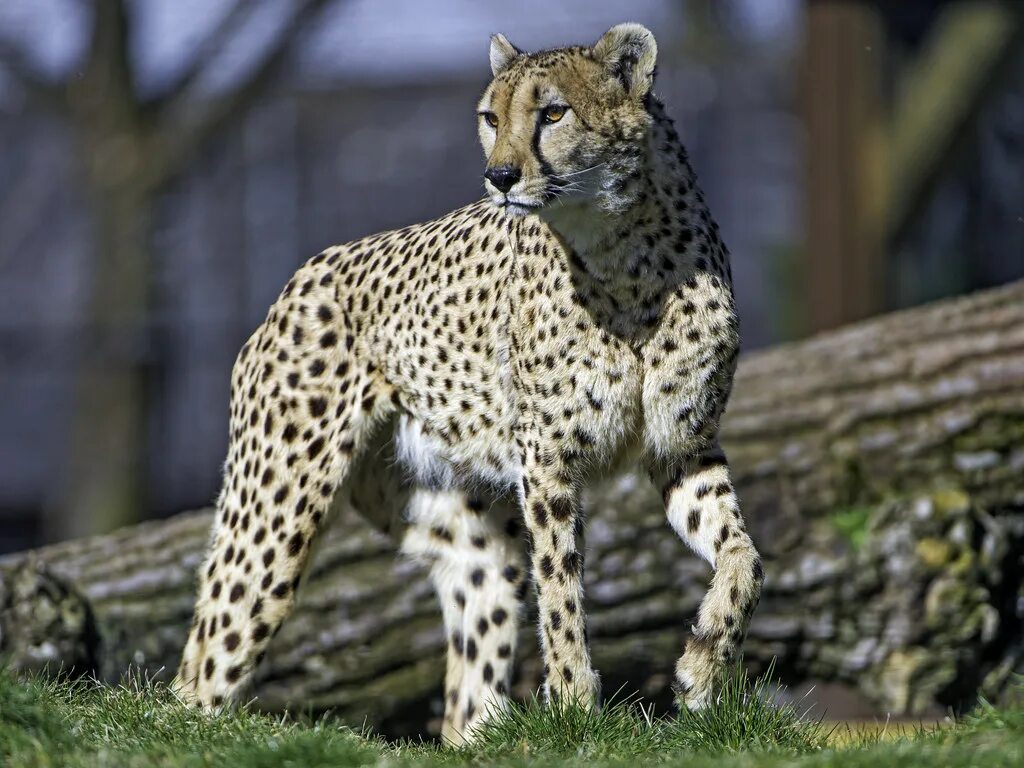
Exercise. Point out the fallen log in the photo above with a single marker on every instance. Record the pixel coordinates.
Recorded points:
(881, 468)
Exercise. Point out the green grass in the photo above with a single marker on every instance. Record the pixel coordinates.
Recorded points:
(46, 723)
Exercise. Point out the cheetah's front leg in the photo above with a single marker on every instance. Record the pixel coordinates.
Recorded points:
(554, 521)
(702, 508)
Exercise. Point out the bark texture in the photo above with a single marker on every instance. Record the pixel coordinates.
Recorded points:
(881, 469)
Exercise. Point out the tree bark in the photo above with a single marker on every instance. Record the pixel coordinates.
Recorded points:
(880, 468)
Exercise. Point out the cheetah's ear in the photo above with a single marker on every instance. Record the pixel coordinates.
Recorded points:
(502, 53)
(629, 52)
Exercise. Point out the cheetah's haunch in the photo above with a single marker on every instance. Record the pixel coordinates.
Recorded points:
(469, 374)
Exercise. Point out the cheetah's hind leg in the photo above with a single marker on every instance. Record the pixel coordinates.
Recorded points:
(292, 443)
(477, 564)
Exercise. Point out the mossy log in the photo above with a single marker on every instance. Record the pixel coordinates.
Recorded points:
(881, 468)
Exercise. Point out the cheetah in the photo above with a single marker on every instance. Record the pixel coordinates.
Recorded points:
(463, 379)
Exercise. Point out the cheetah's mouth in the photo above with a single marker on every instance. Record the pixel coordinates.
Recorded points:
(519, 207)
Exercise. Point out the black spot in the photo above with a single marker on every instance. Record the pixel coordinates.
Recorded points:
(693, 520)
(582, 437)
(572, 562)
(561, 508)
(547, 567)
(442, 533)
(281, 590)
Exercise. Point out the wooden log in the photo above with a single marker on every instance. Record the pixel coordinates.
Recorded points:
(881, 468)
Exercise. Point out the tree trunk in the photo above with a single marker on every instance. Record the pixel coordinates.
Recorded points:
(880, 468)
(843, 111)
(103, 489)
(132, 145)
(102, 484)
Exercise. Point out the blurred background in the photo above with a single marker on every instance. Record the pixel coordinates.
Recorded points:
(167, 164)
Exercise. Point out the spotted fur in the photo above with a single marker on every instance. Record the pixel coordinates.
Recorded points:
(470, 374)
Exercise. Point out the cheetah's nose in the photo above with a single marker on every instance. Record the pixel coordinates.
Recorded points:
(503, 177)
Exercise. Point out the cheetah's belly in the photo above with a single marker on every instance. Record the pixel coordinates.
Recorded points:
(436, 458)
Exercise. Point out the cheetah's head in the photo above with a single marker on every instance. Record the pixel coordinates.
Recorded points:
(568, 126)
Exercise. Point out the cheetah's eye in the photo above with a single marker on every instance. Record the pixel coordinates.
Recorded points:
(490, 118)
(554, 112)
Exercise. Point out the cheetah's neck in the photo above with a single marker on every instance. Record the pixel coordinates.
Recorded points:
(614, 246)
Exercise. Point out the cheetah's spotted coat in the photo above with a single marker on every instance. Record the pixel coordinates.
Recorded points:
(580, 318)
